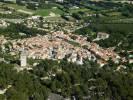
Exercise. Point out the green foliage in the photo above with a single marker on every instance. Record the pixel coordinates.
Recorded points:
(7, 74)
(66, 79)
(77, 16)
(87, 32)
(13, 31)
(119, 33)
(77, 80)
(121, 28)
(127, 10)
(13, 15)
(2, 97)
(74, 43)
(23, 84)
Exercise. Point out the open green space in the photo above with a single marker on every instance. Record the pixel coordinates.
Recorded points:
(79, 9)
(17, 7)
(42, 11)
(46, 12)
(122, 28)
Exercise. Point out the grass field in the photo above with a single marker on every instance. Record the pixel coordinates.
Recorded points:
(80, 9)
(46, 12)
(114, 14)
(18, 7)
(42, 12)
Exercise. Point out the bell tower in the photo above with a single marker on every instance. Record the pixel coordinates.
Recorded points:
(23, 58)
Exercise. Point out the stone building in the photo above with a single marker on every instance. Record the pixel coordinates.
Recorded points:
(23, 58)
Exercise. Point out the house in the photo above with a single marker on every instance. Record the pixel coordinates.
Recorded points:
(60, 1)
(130, 57)
(130, 61)
(3, 24)
(23, 59)
(101, 36)
(53, 96)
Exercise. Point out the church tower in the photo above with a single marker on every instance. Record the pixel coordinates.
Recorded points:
(23, 58)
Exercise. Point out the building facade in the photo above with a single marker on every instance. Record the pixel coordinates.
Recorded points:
(23, 59)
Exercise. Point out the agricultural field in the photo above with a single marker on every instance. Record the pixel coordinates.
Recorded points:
(41, 11)
(16, 7)
(47, 12)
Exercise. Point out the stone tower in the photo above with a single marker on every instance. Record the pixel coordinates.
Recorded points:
(23, 58)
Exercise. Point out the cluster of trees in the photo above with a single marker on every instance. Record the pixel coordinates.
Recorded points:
(87, 81)
(35, 4)
(13, 31)
(127, 10)
(87, 32)
(98, 6)
(13, 15)
(67, 79)
(24, 86)
(119, 33)
(105, 4)
(78, 15)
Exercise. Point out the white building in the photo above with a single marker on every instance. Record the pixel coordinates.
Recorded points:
(61, 1)
(80, 61)
(101, 36)
(23, 58)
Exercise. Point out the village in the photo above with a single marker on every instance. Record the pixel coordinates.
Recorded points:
(59, 41)
(66, 50)
(58, 45)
